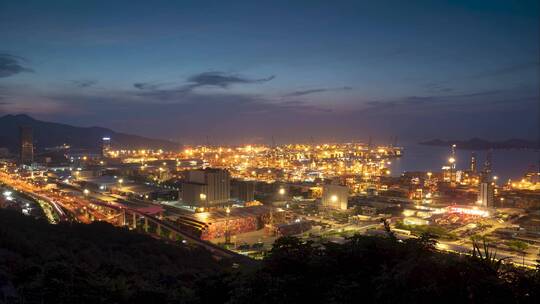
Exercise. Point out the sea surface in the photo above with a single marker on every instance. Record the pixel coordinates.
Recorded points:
(506, 164)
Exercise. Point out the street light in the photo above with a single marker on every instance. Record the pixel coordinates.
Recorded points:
(227, 230)
(86, 191)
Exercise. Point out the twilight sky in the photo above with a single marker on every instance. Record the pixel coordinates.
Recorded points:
(238, 71)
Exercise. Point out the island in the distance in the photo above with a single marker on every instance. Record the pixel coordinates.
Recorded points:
(482, 144)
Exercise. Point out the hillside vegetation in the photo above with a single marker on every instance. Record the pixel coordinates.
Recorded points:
(98, 263)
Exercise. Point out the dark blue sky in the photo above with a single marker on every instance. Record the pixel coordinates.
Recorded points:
(246, 70)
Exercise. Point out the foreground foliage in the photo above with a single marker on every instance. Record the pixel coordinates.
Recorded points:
(101, 264)
(97, 263)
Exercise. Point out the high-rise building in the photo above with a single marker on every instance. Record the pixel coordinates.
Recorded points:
(335, 196)
(452, 160)
(105, 146)
(486, 173)
(486, 191)
(206, 187)
(486, 194)
(26, 145)
(472, 167)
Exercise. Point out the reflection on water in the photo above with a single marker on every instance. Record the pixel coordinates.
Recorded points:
(505, 163)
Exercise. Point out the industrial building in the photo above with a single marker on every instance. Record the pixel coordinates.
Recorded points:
(243, 191)
(205, 188)
(335, 196)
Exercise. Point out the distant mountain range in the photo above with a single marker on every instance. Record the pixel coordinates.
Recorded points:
(481, 144)
(50, 134)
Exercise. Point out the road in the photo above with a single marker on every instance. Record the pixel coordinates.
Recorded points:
(528, 260)
(82, 206)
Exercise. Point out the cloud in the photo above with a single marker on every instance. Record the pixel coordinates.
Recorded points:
(84, 83)
(218, 102)
(302, 106)
(481, 100)
(146, 86)
(221, 79)
(230, 112)
(438, 87)
(11, 65)
(508, 69)
(206, 79)
(313, 91)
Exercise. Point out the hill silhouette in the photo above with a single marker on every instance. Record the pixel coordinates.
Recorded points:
(50, 134)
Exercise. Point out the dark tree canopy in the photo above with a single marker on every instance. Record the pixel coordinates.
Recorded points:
(98, 263)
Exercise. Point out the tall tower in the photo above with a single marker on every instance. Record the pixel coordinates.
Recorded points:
(452, 161)
(26, 145)
(453, 157)
(472, 167)
(486, 191)
(105, 146)
(486, 173)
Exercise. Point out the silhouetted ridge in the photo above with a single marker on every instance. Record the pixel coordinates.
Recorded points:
(50, 134)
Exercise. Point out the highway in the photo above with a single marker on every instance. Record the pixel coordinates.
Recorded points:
(80, 205)
(184, 218)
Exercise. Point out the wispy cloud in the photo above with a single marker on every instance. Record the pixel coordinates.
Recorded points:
(84, 83)
(438, 87)
(314, 91)
(459, 102)
(510, 69)
(11, 65)
(302, 106)
(223, 80)
(146, 85)
(206, 79)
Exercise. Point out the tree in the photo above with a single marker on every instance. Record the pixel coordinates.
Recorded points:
(427, 241)
(486, 256)
(520, 247)
(388, 229)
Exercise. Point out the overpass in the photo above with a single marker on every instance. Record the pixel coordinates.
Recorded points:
(134, 203)
(130, 217)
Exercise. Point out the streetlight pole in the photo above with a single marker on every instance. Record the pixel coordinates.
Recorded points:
(227, 230)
